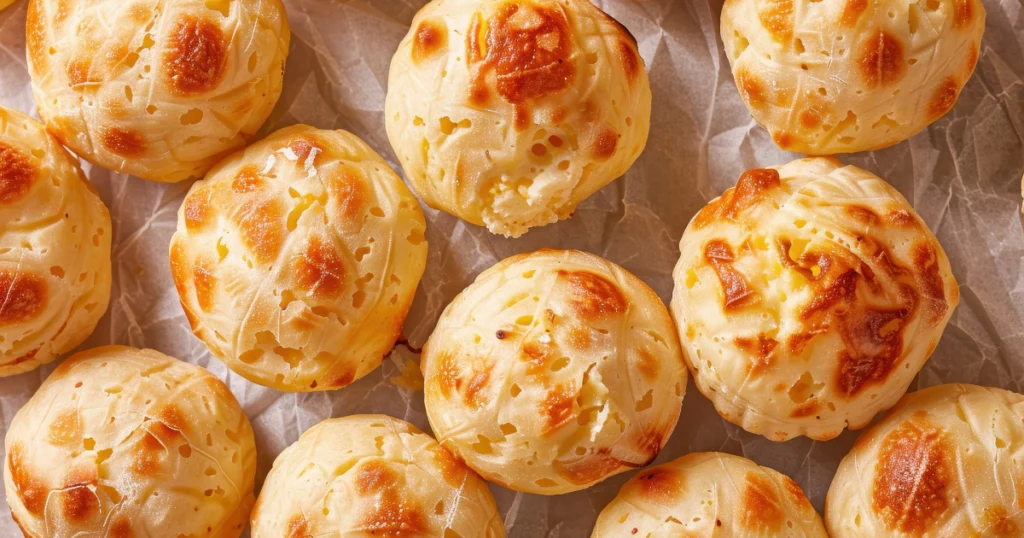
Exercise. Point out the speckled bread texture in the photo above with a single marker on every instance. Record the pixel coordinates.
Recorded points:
(508, 113)
(160, 89)
(710, 494)
(122, 442)
(54, 248)
(947, 461)
(808, 297)
(850, 75)
(554, 371)
(373, 475)
(296, 260)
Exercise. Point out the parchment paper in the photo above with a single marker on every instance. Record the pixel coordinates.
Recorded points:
(963, 175)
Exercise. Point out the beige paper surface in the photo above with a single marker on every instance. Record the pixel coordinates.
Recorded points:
(963, 175)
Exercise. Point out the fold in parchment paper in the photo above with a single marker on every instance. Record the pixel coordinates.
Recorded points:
(963, 175)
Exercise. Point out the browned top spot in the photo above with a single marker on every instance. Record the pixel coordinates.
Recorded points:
(77, 502)
(913, 471)
(79, 68)
(375, 476)
(999, 521)
(647, 363)
(23, 296)
(761, 351)
(752, 188)
(347, 190)
(590, 468)
(453, 470)
(630, 58)
(475, 389)
(303, 147)
(261, 227)
(777, 17)
(943, 98)
(881, 59)
(248, 180)
(123, 142)
(796, 493)
(171, 417)
(738, 293)
(933, 289)
(392, 513)
(592, 296)
(431, 38)
(197, 209)
(604, 144)
(751, 88)
(36, 36)
(852, 11)
(28, 485)
(529, 48)
(196, 56)
(299, 527)
(121, 528)
(205, 279)
(864, 215)
(661, 485)
(319, 269)
(963, 12)
(806, 409)
(557, 408)
(810, 117)
(66, 428)
(761, 509)
(16, 174)
(449, 375)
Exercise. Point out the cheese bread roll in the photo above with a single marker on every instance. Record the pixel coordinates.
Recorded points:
(296, 260)
(554, 371)
(373, 475)
(126, 442)
(54, 248)
(850, 75)
(710, 494)
(160, 89)
(808, 297)
(508, 113)
(946, 461)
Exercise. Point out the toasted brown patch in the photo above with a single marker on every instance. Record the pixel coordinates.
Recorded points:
(196, 56)
(16, 174)
(77, 502)
(557, 408)
(753, 187)
(36, 36)
(121, 528)
(926, 265)
(901, 217)
(198, 212)
(776, 17)
(171, 417)
(963, 13)
(796, 494)
(206, 283)
(393, 513)
(23, 296)
(343, 380)
(914, 468)
(751, 88)
(66, 428)
(123, 142)
(476, 389)
(431, 39)
(453, 470)
(78, 68)
(999, 522)
(806, 409)
(592, 296)
(852, 11)
(590, 468)
(319, 269)
(260, 223)
(761, 510)
(880, 61)
(299, 527)
(630, 58)
(604, 144)
(661, 485)
(737, 292)
(647, 363)
(863, 215)
(810, 117)
(347, 190)
(783, 139)
(248, 180)
(943, 98)
(449, 375)
(760, 350)
(28, 485)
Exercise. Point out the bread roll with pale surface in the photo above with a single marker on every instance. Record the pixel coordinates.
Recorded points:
(808, 297)
(850, 75)
(710, 494)
(54, 248)
(296, 260)
(508, 113)
(946, 461)
(553, 371)
(372, 475)
(158, 89)
(126, 442)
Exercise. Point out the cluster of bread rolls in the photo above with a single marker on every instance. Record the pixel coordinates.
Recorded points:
(805, 301)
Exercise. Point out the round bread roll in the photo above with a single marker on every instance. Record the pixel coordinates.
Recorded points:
(372, 475)
(850, 75)
(554, 371)
(54, 248)
(509, 113)
(808, 297)
(120, 441)
(710, 494)
(296, 260)
(948, 461)
(158, 89)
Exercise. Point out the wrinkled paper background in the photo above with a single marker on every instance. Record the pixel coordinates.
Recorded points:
(963, 175)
